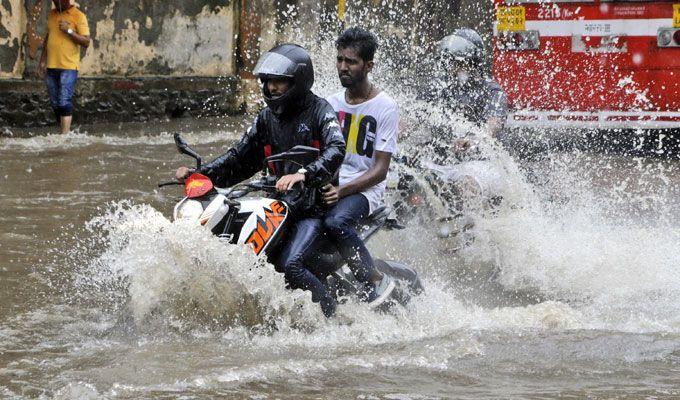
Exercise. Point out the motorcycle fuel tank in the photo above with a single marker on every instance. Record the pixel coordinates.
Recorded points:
(266, 220)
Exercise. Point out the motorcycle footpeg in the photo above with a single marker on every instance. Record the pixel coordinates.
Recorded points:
(393, 224)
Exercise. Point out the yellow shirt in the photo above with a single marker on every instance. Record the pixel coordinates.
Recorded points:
(62, 51)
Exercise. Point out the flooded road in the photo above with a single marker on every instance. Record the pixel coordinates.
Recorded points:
(102, 297)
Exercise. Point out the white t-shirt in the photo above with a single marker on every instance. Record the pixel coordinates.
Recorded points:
(368, 127)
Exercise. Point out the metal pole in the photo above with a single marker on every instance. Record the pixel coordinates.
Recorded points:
(341, 10)
(341, 13)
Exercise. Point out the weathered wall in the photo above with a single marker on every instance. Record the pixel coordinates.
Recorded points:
(130, 37)
(12, 26)
(145, 37)
(220, 37)
(123, 99)
(148, 59)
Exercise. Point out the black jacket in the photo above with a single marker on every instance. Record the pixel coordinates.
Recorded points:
(313, 120)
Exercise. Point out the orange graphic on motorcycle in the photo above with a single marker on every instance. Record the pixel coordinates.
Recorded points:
(267, 227)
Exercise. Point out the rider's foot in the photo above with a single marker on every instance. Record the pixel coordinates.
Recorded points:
(328, 306)
(380, 292)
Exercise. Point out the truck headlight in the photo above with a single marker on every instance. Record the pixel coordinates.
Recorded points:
(664, 37)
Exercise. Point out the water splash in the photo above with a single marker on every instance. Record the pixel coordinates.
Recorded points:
(183, 275)
(180, 276)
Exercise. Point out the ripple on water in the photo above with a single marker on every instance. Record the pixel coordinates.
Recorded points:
(74, 140)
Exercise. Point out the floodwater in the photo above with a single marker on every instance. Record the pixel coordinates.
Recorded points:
(575, 294)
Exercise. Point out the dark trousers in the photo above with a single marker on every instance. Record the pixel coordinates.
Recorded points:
(339, 224)
(291, 261)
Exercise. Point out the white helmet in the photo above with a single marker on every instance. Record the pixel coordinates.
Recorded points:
(463, 45)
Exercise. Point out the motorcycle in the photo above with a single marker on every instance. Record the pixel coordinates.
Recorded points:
(447, 186)
(263, 222)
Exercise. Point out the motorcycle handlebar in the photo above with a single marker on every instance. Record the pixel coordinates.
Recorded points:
(264, 183)
(162, 184)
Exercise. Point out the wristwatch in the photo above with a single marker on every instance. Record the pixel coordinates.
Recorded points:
(70, 31)
(302, 171)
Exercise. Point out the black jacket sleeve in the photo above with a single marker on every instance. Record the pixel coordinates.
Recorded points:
(240, 162)
(324, 168)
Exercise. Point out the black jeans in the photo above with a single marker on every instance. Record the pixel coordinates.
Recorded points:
(291, 261)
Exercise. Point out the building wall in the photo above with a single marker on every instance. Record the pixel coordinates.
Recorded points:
(130, 37)
(175, 38)
(201, 38)
(12, 27)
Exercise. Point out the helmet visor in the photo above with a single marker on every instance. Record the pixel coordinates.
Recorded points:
(274, 64)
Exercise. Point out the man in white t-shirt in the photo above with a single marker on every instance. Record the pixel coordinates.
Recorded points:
(369, 120)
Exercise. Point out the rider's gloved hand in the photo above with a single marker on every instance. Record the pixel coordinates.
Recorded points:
(182, 173)
(286, 182)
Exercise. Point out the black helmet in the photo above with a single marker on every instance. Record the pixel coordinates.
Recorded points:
(463, 45)
(285, 61)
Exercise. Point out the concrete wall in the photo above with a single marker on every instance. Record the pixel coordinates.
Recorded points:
(148, 59)
(12, 29)
(145, 37)
(25, 104)
(130, 37)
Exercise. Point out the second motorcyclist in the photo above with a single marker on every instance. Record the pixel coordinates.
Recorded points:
(454, 160)
(293, 116)
(465, 88)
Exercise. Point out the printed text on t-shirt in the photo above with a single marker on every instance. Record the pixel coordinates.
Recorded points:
(359, 132)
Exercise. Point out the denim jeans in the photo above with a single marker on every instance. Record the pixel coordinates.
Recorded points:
(60, 85)
(299, 276)
(339, 224)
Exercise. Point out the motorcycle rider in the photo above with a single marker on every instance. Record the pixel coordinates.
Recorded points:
(463, 89)
(369, 119)
(467, 89)
(293, 116)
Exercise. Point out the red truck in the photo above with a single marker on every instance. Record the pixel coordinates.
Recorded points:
(589, 64)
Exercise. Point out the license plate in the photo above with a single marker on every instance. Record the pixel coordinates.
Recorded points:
(676, 15)
(511, 18)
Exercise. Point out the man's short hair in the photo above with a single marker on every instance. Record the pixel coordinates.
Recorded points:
(359, 39)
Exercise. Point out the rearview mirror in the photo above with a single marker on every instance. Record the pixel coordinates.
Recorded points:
(183, 148)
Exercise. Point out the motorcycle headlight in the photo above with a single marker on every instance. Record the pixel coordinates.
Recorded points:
(190, 209)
